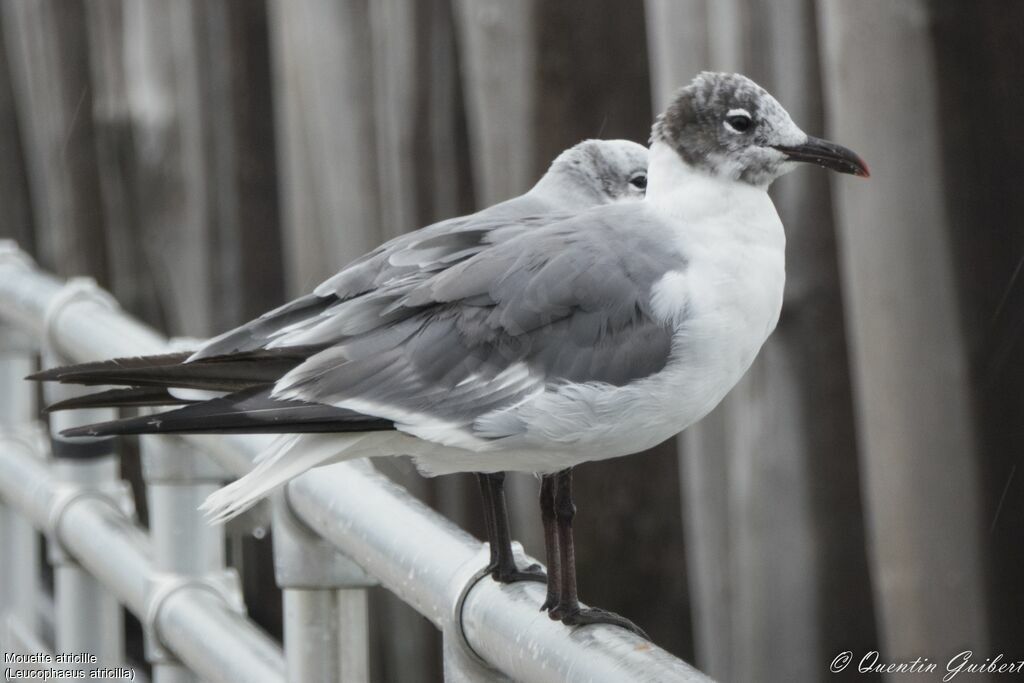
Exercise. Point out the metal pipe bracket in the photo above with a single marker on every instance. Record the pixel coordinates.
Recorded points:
(302, 559)
(471, 666)
(12, 254)
(32, 436)
(115, 494)
(75, 290)
(467, 576)
(223, 584)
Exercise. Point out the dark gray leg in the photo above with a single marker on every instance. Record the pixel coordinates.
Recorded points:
(502, 563)
(568, 609)
(547, 515)
(492, 533)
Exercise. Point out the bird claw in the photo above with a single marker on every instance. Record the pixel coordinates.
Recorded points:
(532, 573)
(591, 615)
(549, 603)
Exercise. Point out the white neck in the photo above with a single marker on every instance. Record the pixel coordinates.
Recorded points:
(727, 211)
(669, 176)
(691, 194)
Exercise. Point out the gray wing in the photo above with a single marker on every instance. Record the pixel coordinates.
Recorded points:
(387, 262)
(569, 303)
(388, 267)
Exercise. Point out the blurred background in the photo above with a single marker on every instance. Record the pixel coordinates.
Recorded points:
(207, 159)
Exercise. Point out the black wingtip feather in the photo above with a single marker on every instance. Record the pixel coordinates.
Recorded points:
(249, 412)
(50, 375)
(134, 397)
(86, 430)
(63, 372)
(232, 373)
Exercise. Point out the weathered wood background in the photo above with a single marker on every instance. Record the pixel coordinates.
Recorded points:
(206, 159)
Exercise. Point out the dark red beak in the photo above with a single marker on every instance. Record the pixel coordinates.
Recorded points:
(827, 155)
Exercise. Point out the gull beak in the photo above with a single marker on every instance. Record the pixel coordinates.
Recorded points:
(826, 154)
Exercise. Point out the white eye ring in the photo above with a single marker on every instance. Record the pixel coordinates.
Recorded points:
(737, 115)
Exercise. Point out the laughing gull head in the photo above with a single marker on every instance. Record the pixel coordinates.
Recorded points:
(599, 171)
(730, 127)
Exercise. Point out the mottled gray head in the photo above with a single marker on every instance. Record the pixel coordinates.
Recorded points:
(602, 171)
(731, 127)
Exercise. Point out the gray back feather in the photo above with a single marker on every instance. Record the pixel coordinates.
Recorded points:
(566, 303)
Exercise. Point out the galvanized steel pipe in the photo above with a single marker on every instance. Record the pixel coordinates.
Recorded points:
(431, 564)
(215, 641)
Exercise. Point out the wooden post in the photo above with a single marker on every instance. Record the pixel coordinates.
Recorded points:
(197, 86)
(14, 182)
(47, 51)
(324, 94)
(165, 96)
(772, 509)
(920, 456)
(130, 281)
(497, 44)
(986, 210)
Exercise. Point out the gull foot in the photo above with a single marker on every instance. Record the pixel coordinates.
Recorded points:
(591, 615)
(514, 575)
(550, 603)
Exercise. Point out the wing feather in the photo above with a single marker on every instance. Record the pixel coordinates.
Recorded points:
(567, 303)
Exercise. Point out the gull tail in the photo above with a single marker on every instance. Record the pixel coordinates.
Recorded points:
(287, 457)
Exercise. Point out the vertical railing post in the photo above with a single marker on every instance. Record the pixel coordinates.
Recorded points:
(326, 634)
(354, 638)
(88, 618)
(178, 479)
(19, 542)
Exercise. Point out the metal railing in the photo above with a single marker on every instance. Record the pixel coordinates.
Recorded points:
(337, 531)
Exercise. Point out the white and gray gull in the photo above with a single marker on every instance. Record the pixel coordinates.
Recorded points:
(543, 343)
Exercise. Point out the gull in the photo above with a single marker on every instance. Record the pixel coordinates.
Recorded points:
(588, 174)
(538, 347)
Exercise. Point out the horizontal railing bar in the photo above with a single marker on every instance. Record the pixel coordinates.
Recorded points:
(20, 638)
(413, 551)
(216, 642)
(418, 555)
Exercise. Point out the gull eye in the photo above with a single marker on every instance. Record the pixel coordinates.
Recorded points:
(739, 121)
(639, 181)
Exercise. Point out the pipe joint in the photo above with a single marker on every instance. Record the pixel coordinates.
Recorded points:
(77, 290)
(304, 560)
(116, 495)
(224, 585)
(469, 663)
(13, 255)
(463, 581)
(30, 437)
